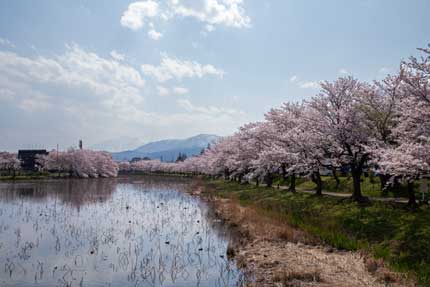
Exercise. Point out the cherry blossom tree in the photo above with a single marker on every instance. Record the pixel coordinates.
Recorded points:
(55, 161)
(124, 166)
(283, 135)
(380, 110)
(81, 163)
(335, 116)
(407, 162)
(409, 159)
(252, 154)
(104, 164)
(9, 162)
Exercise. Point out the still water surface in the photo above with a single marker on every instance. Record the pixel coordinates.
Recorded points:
(110, 232)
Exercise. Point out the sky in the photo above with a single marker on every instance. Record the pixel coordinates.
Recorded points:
(155, 69)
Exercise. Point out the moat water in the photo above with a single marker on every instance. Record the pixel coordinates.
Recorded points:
(135, 231)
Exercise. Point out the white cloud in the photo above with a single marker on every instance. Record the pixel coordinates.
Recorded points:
(162, 91)
(309, 85)
(37, 103)
(6, 95)
(294, 79)
(229, 13)
(343, 71)
(6, 42)
(137, 12)
(173, 68)
(117, 56)
(209, 27)
(180, 90)
(79, 94)
(304, 84)
(114, 86)
(208, 110)
(193, 120)
(154, 35)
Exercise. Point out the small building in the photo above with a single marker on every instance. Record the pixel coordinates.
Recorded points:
(28, 158)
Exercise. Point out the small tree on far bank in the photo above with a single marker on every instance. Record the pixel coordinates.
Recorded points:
(10, 162)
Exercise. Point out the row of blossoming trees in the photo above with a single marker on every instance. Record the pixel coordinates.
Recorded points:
(75, 162)
(9, 162)
(383, 127)
(81, 163)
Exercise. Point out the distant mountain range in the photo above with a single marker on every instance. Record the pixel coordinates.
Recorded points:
(168, 150)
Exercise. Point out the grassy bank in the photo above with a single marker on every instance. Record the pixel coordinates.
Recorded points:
(370, 186)
(388, 231)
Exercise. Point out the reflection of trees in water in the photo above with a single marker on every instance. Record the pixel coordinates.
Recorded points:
(75, 192)
(154, 182)
(144, 234)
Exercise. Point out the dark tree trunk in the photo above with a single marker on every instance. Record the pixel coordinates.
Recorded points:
(316, 178)
(383, 178)
(411, 194)
(257, 182)
(226, 174)
(336, 178)
(268, 179)
(356, 179)
(239, 178)
(292, 187)
(284, 170)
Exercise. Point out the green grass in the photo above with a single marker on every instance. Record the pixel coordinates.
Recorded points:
(388, 231)
(370, 186)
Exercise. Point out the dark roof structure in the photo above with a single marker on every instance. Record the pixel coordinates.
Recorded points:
(28, 157)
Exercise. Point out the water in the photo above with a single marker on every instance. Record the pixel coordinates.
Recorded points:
(110, 232)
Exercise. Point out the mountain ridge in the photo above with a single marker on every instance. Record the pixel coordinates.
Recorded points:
(169, 149)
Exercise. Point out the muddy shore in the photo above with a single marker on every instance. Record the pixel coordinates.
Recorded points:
(272, 253)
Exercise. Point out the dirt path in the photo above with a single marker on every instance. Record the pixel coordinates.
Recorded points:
(346, 195)
(275, 254)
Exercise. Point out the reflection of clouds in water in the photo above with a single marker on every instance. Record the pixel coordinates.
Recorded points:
(126, 233)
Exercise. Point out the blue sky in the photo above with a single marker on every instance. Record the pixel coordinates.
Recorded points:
(151, 70)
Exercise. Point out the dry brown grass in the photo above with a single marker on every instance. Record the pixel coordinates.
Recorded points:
(277, 254)
(288, 278)
(253, 223)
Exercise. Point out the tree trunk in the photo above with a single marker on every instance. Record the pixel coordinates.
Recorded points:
(336, 178)
(239, 178)
(268, 179)
(356, 178)
(384, 187)
(411, 194)
(226, 174)
(316, 178)
(257, 182)
(292, 187)
(284, 170)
